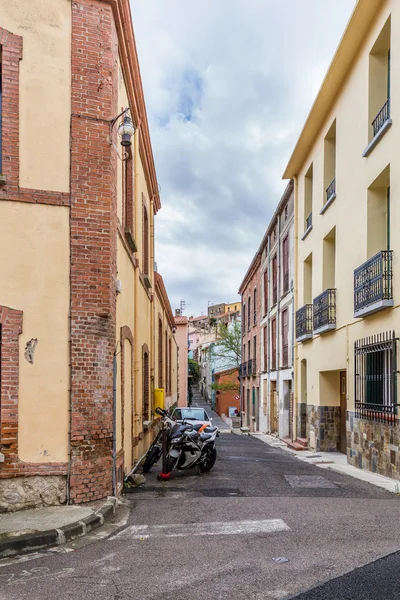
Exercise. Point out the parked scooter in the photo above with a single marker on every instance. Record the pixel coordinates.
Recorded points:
(154, 452)
(191, 446)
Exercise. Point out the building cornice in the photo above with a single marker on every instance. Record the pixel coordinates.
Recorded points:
(163, 297)
(354, 36)
(255, 263)
(133, 82)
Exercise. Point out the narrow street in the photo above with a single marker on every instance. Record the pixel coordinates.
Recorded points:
(260, 525)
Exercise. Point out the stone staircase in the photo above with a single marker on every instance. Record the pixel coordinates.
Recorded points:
(299, 444)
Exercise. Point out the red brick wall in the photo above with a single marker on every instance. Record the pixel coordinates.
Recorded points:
(93, 248)
(227, 398)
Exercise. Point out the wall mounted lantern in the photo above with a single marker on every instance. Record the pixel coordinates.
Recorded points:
(125, 130)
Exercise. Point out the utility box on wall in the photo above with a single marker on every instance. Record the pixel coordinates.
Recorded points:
(158, 398)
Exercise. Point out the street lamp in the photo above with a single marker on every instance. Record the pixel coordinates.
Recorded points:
(125, 130)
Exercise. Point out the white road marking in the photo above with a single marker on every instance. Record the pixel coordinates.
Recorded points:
(186, 530)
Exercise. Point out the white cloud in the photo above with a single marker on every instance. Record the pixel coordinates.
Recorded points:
(228, 85)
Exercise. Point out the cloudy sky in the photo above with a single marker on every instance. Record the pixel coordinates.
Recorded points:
(228, 85)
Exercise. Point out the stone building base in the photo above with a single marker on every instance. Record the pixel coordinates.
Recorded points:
(32, 492)
(323, 428)
(373, 446)
(301, 425)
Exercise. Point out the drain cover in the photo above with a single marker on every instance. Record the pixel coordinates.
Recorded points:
(309, 481)
(280, 559)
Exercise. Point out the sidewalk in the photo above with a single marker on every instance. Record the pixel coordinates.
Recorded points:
(334, 461)
(32, 529)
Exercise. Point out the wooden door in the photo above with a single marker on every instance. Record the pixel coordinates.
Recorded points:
(343, 411)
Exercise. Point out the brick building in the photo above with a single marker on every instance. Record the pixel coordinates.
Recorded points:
(250, 291)
(79, 350)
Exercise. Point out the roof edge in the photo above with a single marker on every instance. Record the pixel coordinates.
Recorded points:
(352, 39)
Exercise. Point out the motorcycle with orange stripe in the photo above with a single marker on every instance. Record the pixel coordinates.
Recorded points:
(189, 445)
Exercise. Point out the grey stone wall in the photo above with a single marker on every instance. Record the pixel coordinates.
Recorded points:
(32, 492)
(323, 428)
(373, 446)
(301, 427)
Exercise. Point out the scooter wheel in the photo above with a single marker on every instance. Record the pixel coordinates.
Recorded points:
(151, 459)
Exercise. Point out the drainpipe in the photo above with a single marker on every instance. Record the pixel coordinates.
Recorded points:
(295, 305)
(114, 444)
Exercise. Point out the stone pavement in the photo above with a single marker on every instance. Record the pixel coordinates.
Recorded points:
(261, 525)
(334, 461)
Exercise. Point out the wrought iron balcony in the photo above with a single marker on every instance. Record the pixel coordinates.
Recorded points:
(324, 311)
(381, 118)
(304, 323)
(331, 191)
(251, 367)
(243, 369)
(373, 286)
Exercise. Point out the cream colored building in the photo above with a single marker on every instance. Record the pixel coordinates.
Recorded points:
(80, 304)
(346, 168)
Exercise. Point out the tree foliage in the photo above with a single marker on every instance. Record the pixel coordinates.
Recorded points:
(194, 371)
(228, 344)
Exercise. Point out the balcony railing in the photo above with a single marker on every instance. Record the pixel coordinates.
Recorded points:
(324, 309)
(243, 369)
(331, 190)
(381, 118)
(251, 367)
(373, 286)
(304, 323)
(383, 413)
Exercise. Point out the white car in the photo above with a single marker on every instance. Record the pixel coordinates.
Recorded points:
(191, 415)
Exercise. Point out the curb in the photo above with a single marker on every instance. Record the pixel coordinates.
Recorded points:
(54, 537)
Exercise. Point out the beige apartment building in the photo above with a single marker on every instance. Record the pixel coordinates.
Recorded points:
(86, 330)
(346, 169)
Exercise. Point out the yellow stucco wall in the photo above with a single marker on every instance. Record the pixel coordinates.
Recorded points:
(348, 214)
(169, 399)
(45, 89)
(34, 275)
(125, 317)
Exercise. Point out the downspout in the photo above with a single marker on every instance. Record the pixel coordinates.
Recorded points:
(114, 444)
(295, 305)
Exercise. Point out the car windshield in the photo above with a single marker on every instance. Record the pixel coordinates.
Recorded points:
(195, 414)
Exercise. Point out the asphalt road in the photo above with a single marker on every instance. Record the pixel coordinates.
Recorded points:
(260, 525)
